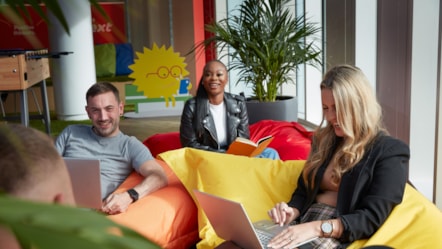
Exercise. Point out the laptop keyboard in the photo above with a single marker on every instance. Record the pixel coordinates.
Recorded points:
(263, 237)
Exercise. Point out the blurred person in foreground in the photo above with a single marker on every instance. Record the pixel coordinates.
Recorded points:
(31, 169)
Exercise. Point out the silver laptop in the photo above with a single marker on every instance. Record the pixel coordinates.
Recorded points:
(230, 222)
(85, 179)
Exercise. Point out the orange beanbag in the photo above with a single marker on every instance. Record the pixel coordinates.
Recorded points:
(167, 217)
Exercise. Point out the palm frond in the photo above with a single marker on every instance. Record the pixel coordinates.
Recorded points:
(266, 44)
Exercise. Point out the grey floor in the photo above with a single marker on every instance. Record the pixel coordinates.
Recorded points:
(143, 128)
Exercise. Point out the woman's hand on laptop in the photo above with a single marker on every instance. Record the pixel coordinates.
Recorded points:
(293, 236)
(282, 214)
(116, 203)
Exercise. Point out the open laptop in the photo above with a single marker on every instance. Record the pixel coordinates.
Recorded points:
(85, 179)
(230, 222)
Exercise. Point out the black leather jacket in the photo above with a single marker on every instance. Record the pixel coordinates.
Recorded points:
(205, 137)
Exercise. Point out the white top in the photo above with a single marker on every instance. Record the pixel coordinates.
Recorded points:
(219, 117)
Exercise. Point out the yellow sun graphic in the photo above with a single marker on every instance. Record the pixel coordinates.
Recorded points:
(158, 73)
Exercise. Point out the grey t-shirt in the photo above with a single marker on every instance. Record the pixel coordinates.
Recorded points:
(118, 155)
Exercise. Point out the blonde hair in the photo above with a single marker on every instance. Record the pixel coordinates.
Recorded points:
(358, 114)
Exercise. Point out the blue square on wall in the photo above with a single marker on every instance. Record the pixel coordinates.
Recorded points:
(125, 58)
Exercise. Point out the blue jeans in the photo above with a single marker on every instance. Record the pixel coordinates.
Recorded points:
(269, 153)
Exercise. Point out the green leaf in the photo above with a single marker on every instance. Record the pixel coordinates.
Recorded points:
(47, 226)
(266, 44)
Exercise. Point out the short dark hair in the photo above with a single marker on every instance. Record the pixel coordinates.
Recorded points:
(26, 153)
(102, 87)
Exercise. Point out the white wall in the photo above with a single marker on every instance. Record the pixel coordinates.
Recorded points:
(438, 178)
(424, 94)
(366, 35)
(312, 93)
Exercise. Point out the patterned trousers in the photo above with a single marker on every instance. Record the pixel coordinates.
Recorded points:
(320, 211)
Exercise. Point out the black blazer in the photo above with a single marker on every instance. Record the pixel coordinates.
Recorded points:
(367, 193)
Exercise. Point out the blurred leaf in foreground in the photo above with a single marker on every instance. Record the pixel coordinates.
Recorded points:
(48, 226)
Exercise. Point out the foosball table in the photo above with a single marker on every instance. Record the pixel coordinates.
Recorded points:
(19, 71)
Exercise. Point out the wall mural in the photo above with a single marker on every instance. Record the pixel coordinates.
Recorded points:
(160, 85)
(32, 32)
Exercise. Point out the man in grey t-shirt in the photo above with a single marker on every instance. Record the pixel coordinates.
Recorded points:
(118, 153)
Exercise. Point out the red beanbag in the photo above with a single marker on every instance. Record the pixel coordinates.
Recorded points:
(162, 142)
(292, 140)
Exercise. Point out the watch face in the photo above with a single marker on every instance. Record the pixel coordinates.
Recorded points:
(326, 227)
(133, 194)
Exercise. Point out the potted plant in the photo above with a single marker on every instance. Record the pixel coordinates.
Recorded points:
(266, 44)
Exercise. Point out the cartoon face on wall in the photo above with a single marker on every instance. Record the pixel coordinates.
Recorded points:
(160, 73)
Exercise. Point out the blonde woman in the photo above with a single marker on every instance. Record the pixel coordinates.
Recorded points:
(355, 174)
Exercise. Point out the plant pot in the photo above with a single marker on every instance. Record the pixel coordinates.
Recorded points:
(285, 108)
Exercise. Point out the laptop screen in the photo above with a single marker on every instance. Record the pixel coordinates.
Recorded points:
(85, 180)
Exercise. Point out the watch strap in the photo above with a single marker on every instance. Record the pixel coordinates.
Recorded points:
(133, 194)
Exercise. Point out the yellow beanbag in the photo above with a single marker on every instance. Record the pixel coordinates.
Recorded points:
(257, 183)
(260, 183)
(415, 223)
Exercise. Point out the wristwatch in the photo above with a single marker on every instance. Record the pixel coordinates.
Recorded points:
(133, 194)
(326, 228)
